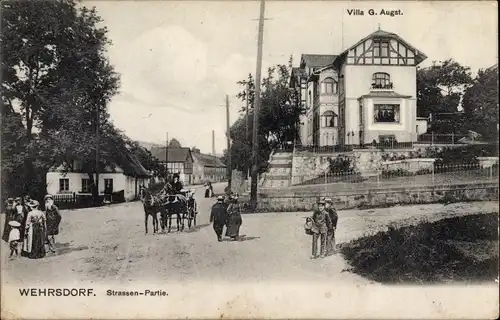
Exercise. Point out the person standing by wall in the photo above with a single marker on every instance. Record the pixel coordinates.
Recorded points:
(320, 225)
(330, 237)
(53, 220)
(219, 217)
(35, 234)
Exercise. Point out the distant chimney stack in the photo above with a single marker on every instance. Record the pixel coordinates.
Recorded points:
(213, 142)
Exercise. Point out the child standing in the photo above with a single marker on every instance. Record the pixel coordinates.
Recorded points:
(14, 237)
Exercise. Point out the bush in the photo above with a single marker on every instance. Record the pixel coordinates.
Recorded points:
(428, 252)
(341, 165)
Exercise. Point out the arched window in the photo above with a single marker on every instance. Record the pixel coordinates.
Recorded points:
(329, 119)
(329, 86)
(381, 80)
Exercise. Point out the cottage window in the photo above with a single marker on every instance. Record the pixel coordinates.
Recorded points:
(386, 112)
(380, 49)
(329, 86)
(64, 185)
(86, 186)
(108, 185)
(381, 80)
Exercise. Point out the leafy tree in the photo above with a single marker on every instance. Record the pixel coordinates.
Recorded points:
(480, 104)
(56, 77)
(440, 87)
(195, 150)
(174, 143)
(278, 118)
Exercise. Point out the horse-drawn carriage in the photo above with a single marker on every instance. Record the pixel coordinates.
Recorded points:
(168, 202)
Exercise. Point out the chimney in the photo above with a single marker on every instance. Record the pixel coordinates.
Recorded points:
(213, 142)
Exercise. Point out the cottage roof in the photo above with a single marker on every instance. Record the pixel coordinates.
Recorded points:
(209, 161)
(131, 166)
(126, 161)
(174, 154)
(384, 94)
(317, 60)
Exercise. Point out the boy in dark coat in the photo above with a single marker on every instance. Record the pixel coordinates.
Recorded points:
(219, 217)
(53, 220)
(330, 237)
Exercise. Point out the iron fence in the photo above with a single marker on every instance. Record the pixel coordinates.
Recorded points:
(435, 174)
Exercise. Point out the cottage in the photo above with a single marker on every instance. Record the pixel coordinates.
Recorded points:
(208, 168)
(179, 160)
(126, 175)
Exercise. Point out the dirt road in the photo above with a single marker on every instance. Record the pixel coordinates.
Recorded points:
(109, 244)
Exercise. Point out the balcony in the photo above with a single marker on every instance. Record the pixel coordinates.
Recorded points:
(382, 87)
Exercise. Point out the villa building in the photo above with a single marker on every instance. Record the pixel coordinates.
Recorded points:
(366, 93)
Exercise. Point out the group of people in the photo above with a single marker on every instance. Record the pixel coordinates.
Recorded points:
(30, 228)
(226, 212)
(322, 226)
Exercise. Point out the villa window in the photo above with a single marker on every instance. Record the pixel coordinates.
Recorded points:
(386, 139)
(386, 113)
(381, 80)
(63, 185)
(86, 186)
(329, 86)
(380, 49)
(310, 100)
(329, 119)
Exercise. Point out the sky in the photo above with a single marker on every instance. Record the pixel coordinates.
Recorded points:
(179, 59)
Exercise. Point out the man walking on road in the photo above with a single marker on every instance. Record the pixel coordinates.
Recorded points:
(219, 217)
(330, 236)
(320, 225)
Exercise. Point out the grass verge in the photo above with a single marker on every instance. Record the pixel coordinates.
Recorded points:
(460, 249)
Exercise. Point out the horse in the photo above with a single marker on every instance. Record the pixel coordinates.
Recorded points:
(175, 204)
(151, 208)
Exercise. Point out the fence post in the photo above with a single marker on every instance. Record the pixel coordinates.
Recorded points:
(491, 173)
(433, 174)
(432, 138)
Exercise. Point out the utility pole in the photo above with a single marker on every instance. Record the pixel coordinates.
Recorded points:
(97, 152)
(166, 159)
(228, 136)
(255, 139)
(246, 123)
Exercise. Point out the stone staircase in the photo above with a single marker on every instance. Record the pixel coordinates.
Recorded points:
(280, 171)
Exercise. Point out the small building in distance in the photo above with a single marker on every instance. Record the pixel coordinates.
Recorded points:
(180, 161)
(208, 168)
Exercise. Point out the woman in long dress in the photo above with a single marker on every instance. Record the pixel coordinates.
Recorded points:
(35, 233)
(234, 220)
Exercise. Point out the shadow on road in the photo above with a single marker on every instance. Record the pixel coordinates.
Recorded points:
(197, 228)
(65, 248)
(242, 238)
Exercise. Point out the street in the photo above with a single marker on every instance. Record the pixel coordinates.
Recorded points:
(109, 244)
(106, 249)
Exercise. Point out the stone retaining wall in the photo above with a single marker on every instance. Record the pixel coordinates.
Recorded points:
(291, 202)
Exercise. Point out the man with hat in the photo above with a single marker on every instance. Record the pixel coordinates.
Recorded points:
(53, 220)
(219, 217)
(330, 237)
(320, 225)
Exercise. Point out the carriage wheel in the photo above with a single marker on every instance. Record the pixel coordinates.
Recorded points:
(189, 217)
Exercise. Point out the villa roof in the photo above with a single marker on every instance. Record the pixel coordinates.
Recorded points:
(384, 94)
(317, 60)
(174, 154)
(420, 56)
